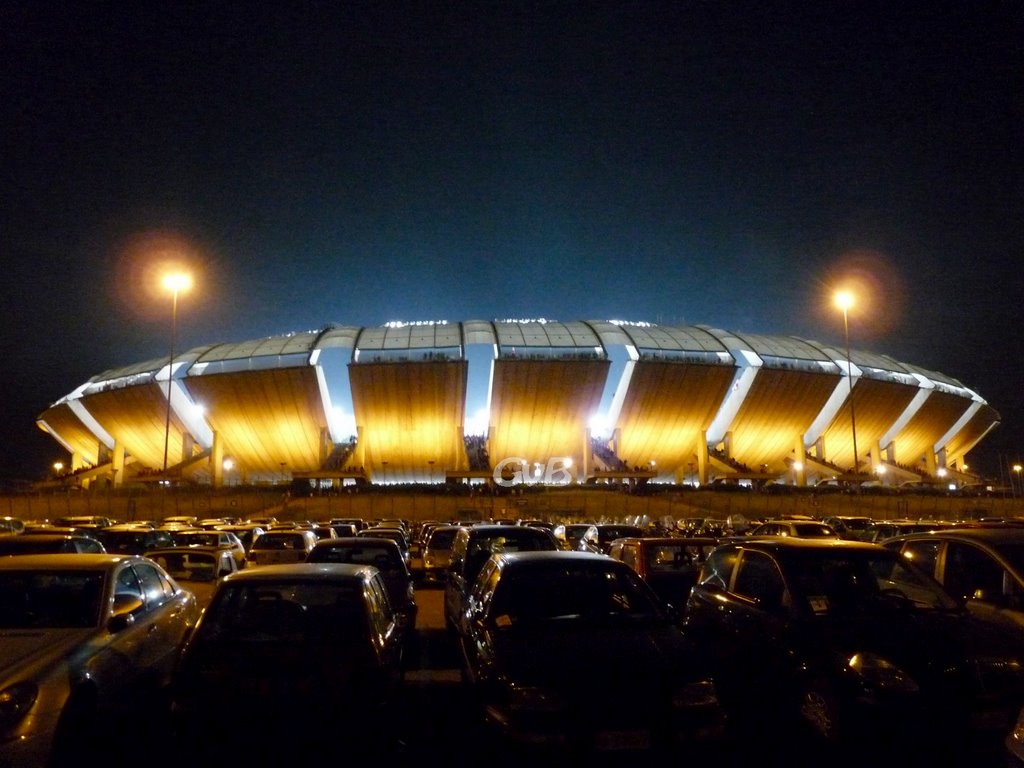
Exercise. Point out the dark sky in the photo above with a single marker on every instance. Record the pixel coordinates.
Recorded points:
(682, 163)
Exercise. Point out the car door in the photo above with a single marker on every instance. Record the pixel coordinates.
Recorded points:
(739, 614)
(991, 593)
(135, 658)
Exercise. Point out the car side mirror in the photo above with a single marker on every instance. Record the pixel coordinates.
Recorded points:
(124, 612)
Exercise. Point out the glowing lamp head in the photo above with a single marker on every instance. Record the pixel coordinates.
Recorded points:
(177, 282)
(844, 300)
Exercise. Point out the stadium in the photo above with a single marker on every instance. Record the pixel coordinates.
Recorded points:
(515, 401)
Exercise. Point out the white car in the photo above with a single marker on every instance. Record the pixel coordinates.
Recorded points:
(86, 641)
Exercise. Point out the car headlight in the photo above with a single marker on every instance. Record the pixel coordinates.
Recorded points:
(534, 699)
(15, 701)
(880, 674)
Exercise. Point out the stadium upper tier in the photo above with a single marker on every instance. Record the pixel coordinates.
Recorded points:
(422, 402)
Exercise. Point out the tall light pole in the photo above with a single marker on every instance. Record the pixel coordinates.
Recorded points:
(175, 282)
(844, 300)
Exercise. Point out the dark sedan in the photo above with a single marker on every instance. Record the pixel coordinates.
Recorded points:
(383, 554)
(303, 649)
(573, 651)
(847, 638)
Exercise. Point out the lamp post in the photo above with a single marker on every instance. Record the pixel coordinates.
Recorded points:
(175, 282)
(844, 300)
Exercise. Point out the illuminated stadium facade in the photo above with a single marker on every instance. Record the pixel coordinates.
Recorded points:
(518, 400)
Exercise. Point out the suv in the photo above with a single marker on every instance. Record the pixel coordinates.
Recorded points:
(471, 548)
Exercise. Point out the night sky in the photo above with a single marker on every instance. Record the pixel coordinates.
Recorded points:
(708, 163)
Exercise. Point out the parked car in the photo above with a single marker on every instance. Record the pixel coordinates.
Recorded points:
(616, 672)
(846, 638)
(799, 528)
(472, 546)
(394, 533)
(569, 535)
(88, 644)
(198, 569)
(285, 545)
(668, 564)
(436, 552)
(226, 540)
(880, 530)
(982, 566)
(246, 532)
(10, 524)
(849, 526)
(599, 537)
(53, 543)
(131, 538)
(84, 521)
(384, 555)
(307, 648)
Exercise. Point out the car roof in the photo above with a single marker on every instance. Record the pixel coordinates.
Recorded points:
(83, 561)
(781, 543)
(49, 537)
(474, 531)
(206, 548)
(344, 542)
(993, 534)
(304, 572)
(545, 556)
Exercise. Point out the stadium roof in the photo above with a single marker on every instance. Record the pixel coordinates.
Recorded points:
(397, 403)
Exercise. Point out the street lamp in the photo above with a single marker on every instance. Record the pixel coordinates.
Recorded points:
(844, 300)
(175, 282)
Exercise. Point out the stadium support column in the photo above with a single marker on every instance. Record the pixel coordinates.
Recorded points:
(588, 456)
(800, 463)
(875, 453)
(931, 463)
(702, 458)
(217, 460)
(117, 463)
(461, 457)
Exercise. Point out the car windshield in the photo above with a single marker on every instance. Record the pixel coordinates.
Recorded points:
(199, 538)
(280, 542)
(297, 612)
(50, 599)
(571, 593)
(361, 555)
(666, 558)
(838, 582)
(441, 539)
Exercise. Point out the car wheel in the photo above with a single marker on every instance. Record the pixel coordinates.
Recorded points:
(819, 710)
